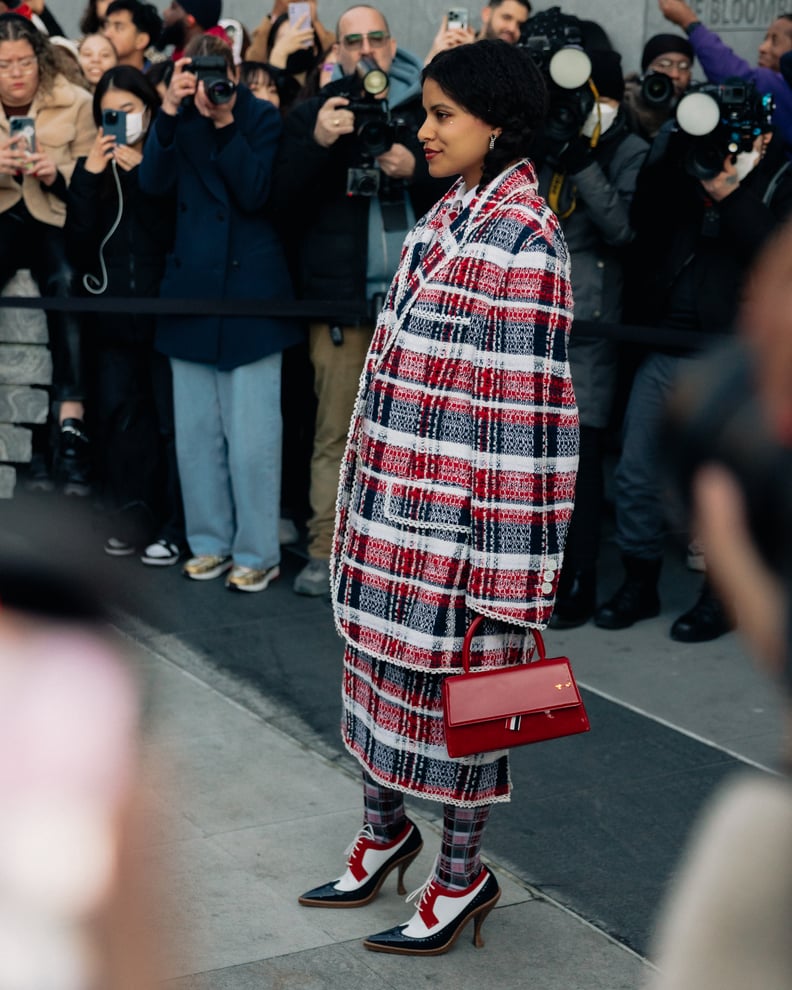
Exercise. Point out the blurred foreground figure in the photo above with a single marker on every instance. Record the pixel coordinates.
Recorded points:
(72, 907)
(726, 925)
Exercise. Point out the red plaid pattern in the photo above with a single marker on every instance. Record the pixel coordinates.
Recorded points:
(458, 479)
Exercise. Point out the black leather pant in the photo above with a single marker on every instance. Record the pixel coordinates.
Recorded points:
(27, 243)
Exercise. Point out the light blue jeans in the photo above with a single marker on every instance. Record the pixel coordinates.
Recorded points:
(228, 446)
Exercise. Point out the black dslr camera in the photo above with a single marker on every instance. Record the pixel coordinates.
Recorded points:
(555, 42)
(657, 91)
(720, 121)
(212, 70)
(376, 130)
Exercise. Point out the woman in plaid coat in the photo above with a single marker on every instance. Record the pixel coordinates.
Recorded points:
(457, 484)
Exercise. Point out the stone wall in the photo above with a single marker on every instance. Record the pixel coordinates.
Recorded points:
(25, 363)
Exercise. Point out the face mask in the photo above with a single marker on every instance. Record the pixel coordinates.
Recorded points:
(136, 126)
(746, 162)
(602, 114)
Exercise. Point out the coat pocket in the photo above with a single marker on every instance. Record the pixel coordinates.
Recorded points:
(428, 506)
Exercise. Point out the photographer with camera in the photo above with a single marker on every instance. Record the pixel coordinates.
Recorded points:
(703, 209)
(212, 146)
(719, 62)
(349, 182)
(666, 72)
(591, 164)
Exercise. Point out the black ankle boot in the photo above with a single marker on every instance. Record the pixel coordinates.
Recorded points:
(576, 598)
(73, 458)
(705, 621)
(637, 597)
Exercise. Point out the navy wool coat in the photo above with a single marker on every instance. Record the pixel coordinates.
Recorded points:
(225, 247)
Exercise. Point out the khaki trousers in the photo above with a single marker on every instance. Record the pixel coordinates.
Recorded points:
(337, 371)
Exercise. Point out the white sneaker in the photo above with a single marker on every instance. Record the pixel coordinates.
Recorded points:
(314, 578)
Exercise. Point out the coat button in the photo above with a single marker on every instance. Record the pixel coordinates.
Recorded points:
(597, 314)
(547, 588)
(600, 264)
(235, 264)
(549, 575)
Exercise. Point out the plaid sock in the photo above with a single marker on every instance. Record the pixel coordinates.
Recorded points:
(459, 864)
(383, 809)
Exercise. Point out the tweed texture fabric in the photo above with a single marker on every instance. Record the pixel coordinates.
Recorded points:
(393, 724)
(457, 483)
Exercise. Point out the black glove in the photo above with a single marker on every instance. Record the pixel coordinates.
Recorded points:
(574, 156)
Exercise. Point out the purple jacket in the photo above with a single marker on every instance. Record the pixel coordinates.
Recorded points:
(719, 62)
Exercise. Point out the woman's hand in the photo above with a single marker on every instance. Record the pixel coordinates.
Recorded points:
(291, 38)
(41, 167)
(12, 156)
(221, 114)
(332, 121)
(182, 85)
(128, 157)
(101, 153)
(449, 38)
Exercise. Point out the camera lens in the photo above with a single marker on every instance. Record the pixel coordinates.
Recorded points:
(657, 90)
(220, 91)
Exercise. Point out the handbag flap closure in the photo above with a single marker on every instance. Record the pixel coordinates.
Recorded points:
(506, 692)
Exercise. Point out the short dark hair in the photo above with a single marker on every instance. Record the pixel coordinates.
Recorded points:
(525, 3)
(500, 84)
(128, 78)
(144, 16)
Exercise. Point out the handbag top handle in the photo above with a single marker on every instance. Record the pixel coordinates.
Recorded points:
(473, 629)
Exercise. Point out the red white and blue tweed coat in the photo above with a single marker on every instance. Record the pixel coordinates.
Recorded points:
(457, 483)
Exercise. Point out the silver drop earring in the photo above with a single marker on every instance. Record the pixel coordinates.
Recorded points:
(492, 142)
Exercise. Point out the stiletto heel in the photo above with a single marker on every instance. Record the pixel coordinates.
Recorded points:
(368, 865)
(408, 861)
(442, 914)
(478, 941)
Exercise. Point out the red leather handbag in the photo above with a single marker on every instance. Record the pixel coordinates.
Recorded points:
(503, 707)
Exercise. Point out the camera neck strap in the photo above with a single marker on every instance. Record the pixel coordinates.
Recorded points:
(558, 180)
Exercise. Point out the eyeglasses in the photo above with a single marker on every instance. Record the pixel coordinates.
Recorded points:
(354, 42)
(24, 65)
(668, 63)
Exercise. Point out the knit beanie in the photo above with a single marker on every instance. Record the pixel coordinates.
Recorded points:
(662, 44)
(206, 12)
(606, 73)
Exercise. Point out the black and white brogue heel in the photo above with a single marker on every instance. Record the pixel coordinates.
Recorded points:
(441, 915)
(368, 865)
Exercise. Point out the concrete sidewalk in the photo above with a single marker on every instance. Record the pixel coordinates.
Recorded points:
(244, 818)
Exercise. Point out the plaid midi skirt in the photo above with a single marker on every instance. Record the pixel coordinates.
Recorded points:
(393, 724)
